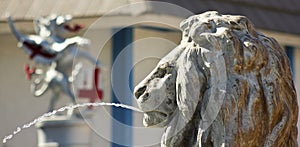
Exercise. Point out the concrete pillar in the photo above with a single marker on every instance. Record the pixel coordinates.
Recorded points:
(122, 81)
(63, 131)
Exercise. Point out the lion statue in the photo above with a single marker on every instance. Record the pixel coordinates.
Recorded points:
(52, 49)
(226, 84)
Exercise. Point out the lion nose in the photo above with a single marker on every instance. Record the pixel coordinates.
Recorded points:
(140, 91)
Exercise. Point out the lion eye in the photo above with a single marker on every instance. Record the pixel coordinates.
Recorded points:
(163, 70)
(160, 73)
(209, 26)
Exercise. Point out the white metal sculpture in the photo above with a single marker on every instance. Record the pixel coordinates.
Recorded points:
(51, 49)
(225, 85)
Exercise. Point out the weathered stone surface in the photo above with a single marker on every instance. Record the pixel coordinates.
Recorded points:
(225, 85)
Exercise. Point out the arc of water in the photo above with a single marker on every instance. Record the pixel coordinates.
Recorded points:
(49, 114)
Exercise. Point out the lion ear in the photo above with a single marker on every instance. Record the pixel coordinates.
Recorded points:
(189, 83)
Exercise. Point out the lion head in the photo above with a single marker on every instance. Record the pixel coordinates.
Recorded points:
(225, 84)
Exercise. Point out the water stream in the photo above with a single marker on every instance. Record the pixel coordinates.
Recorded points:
(49, 114)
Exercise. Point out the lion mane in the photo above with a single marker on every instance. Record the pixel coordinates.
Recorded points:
(226, 84)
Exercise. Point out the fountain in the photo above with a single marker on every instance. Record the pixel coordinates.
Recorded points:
(226, 84)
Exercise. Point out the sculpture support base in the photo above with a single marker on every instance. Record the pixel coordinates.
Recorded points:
(63, 131)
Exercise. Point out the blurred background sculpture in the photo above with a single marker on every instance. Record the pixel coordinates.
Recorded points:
(226, 84)
(50, 48)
